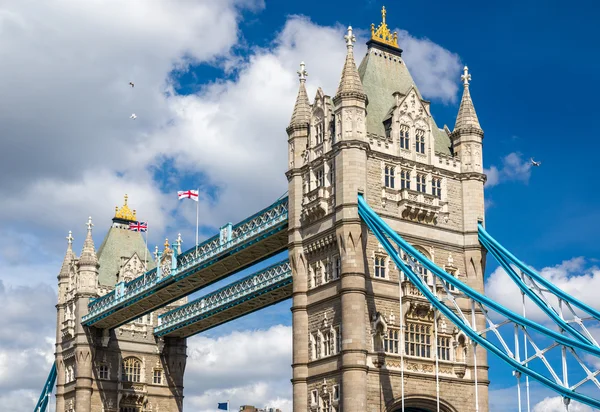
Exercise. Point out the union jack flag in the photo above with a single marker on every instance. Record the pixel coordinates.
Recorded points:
(188, 194)
(138, 226)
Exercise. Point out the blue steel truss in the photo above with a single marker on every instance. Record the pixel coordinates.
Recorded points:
(42, 403)
(452, 289)
(237, 237)
(231, 296)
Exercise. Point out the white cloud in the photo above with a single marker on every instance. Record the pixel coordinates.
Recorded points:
(249, 367)
(514, 168)
(572, 276)
(556, 404)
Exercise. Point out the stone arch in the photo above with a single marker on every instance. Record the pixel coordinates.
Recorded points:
(420, 403)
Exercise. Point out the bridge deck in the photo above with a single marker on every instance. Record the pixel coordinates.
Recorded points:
(257, 291)
(252, 240)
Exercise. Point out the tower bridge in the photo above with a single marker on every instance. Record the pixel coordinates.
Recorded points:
(384, 228)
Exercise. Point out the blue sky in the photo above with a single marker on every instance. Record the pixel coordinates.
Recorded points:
(215, 83)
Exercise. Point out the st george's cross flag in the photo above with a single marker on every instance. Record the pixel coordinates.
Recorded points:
(138, 226)
(188, 194)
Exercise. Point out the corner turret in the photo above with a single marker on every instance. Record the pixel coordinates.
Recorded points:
(87, 276)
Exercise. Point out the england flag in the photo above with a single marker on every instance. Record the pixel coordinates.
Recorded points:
(188, 194)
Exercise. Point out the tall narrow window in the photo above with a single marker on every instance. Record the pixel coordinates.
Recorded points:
(326, 343)
(418, 340)
(336, 392)
(334, 267)
(389, 176)
(132, 370)
(443, 348)
(405, 179)
(404, 140)
(379, 267)
(436, 187)
(103, 372)
(320, 132)
(338, 339)
(157, 377)
(421, 183)
(320, 178)
(391, 341)
(332, 173)
(420, 141)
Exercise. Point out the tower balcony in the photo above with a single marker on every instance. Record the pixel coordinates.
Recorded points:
(416, 206)
(68, 328)
(132, 393)
(315, 204)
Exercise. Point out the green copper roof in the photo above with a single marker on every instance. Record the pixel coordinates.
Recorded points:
(382, 73)
(119, 243)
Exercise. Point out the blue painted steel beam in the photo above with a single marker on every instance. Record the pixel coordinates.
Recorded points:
(378, 227)
(44, 399)
(254, 239)
(256, 291)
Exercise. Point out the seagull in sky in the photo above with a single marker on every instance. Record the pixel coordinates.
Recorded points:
(133, 116)
(534, 163)
(131, 84)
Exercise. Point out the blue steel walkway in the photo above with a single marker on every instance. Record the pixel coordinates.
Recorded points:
(257, 291)
(237, 247)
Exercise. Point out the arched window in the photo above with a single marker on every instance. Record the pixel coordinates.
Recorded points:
(132, 370)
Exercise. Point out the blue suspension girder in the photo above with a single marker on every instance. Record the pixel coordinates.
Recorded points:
(542, 292)
(253, 239)
(44, 399)
(478, 301)
(251, 293)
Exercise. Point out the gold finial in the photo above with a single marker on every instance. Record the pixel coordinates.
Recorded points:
(124, 212)
(166, 245)
(383, 34)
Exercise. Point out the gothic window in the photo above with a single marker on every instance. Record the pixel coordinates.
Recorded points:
(421, 183)
(320, 174)
(132, 370)
(332, 173)
(334, 268)
(420, 141)
(306, 184)
(336, 392)
(391, 341)
(405, 179)
(450, 286)
(404, 140)
(319, 132)
(326, 343)
(443, 348)
(313, 347)
(103, 372)
(417, 340)
(144, 320)
(379, 267)
(157, 377)
(314, 397)
(313, 275)
(389, 176)
(388, 129)
(436, 187)
(338, 339)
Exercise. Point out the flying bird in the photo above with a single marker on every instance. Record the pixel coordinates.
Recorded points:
(534, 163)
(133, 116)
(131, 84)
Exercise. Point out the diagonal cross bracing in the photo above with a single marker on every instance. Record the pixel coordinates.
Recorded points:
(254, 292)
(254, 239)
(542, 339)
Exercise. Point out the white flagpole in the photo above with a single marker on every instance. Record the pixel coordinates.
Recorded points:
(146, 250)
(197, 221)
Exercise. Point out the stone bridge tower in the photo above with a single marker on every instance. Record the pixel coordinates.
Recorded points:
(377, 137)
(125, 369)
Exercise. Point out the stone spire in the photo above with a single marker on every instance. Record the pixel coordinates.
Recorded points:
(350, 82)
(69, 258)
(467, 118)
(301, 114)
(88, 253)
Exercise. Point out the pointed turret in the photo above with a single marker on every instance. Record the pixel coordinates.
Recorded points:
(87, 275)
(301, 114)
(467, 118)
(88, 253)
(69, 258)
(350, 82)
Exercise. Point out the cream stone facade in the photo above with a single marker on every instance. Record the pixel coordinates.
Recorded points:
(126, 369)
(377, 137)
